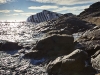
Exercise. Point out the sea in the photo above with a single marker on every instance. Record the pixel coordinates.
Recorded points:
(12, 63)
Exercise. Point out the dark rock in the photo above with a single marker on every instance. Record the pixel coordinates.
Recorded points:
(91, 14)
(53, 45)
(90, 41)
(34, 54)
(6, 45)
(68, 14)
(58, 32)
(50, 42)
(66, 24)
(72, 64)
(72, 24)
(92, 11)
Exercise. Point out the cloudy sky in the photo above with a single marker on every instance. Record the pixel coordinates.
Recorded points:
(21, 9)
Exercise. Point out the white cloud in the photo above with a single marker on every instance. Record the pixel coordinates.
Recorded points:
(43, 7)
(27, 14)
(5, 1)
(18, 11)
(5, 11)
(15, 14)
(65, 2)
(74, 10)
(21, 14)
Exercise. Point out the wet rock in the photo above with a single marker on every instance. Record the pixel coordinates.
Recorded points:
(90, 41)
(52, 46)
(6, 45)
(95, 60)
(73, 64)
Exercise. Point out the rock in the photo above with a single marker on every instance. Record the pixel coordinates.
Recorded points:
(93, 34)
(58, 32)
(92, 11)
(68, 14)
(45, 15)
(90, 41)
(34, 54)
(73, 24)
(53, 45)
(91, 14)
(51, 42)
(6, 45)
(95, 60)
(72, 64)
(66, 24)
(97, 74)
(21, 51)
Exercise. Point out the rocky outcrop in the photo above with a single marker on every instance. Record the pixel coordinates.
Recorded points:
(91, 14)
(6, 45)
(92, 11)
(72, 64)
(66, 24)
(52, 46)
(45, 15)
(90, 41)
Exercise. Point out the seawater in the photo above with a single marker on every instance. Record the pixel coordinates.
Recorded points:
(21, 32)
(18, 32)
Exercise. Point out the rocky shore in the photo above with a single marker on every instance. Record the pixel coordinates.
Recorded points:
(56, 52)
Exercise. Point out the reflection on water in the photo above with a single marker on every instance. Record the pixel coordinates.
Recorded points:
(17, 31)
(23, 31)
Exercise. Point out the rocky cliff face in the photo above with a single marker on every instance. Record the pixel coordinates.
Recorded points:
(91, 14)
(45, 15)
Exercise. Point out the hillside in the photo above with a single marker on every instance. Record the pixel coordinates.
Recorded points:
(45, 15)
(91, 14)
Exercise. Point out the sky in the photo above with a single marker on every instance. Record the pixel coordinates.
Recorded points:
(21, 9)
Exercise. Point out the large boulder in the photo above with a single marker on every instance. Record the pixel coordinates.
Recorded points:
(6, 45)
(53, 41)
(90, 41)
(72, 64)
(52, 46)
